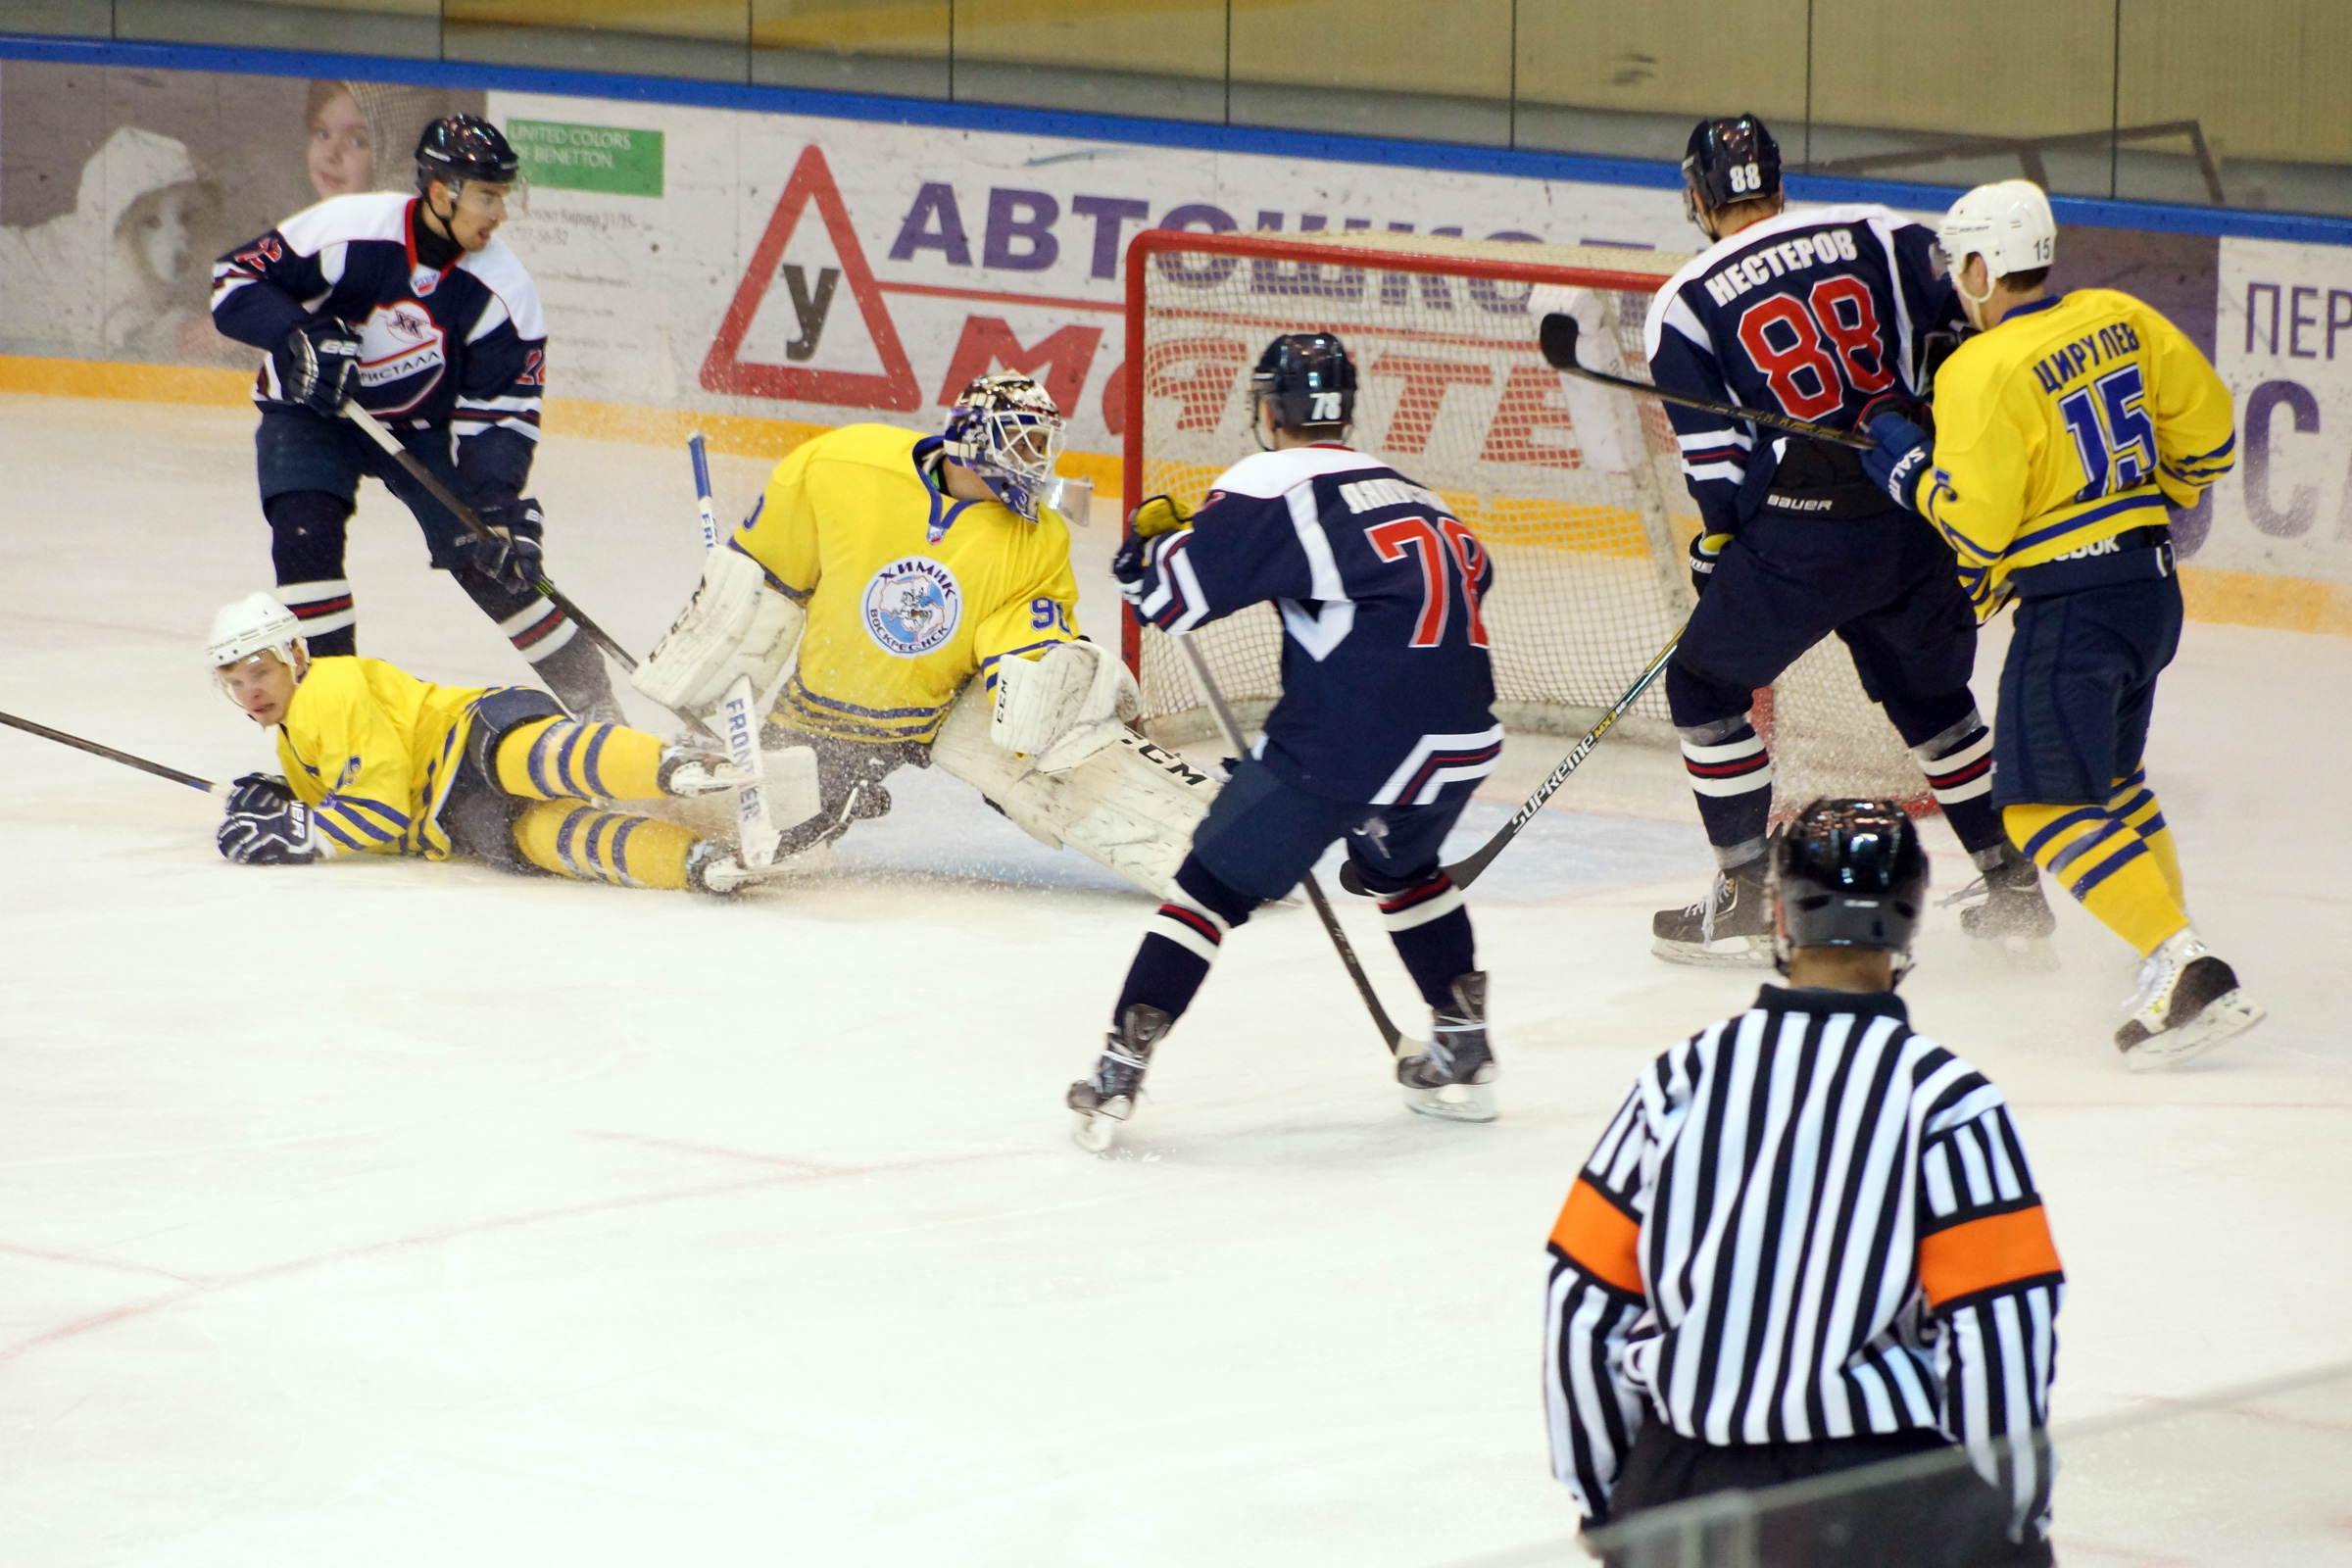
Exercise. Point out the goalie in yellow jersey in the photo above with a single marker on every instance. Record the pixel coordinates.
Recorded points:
(918, 589)
(2067, 430)
(379, 762)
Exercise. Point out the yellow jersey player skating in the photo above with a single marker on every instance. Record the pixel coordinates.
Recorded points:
(379, 762)
(2067, 430)
(914, 595)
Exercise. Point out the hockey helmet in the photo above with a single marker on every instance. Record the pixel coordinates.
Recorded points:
(1849, 874)
(1729, 160)
(1005, 428)
(1307, 379)
(456, 148)
(2007, 222)
(257, 624)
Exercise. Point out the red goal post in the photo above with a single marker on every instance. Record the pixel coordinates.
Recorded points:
(1574, 488)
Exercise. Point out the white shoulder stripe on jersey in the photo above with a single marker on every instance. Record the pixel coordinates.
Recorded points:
(502, 271)
(338, 219)
(1268, 474)
(1323, 573)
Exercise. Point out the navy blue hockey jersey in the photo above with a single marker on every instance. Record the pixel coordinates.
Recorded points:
(1387, 691)
(464, 345)
(1811, 314)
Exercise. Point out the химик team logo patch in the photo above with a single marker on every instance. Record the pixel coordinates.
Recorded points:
(912, 606)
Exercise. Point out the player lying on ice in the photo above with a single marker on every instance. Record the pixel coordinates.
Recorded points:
(379, 762)
(919, 588)
(1385, 725)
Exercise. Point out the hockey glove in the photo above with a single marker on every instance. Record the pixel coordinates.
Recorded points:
(512, 556)
(1900, 459)
(260, 792)
(315, 364)
(1158, 515)
(267, 835)
(1706, 549)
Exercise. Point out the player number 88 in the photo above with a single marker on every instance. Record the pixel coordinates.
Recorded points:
(1746, 180)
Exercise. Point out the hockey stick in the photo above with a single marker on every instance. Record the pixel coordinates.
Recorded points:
(1231, 729)
(473, 525)
(1466, 870)
(701, 489)
(1557, 335)
(113, 756)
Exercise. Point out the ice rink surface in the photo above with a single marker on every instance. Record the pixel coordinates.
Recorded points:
(391, 1213)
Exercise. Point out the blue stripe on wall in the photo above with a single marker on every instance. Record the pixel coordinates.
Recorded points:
(2089, 211)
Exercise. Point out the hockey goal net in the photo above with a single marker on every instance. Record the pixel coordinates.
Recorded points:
(1575, 488)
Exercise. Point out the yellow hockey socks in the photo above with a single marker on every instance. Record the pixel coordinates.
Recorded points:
(591, 845)
(2103, 862)
(2135, 804)
(569, 758)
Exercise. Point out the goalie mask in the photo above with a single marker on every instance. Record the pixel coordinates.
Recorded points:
(1728, 161)
(1308, 379)
(255, 624)
(1849, 874)
(1005, 428)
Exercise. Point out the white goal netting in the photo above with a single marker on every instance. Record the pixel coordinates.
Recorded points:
(1574, 487)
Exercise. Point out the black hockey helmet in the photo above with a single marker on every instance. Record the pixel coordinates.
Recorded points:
(1849, 874)
(456, 148)
(1309, 380)
(1730, 160)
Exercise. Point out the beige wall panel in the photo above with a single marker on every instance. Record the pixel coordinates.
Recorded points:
(910, 27)
(719, 20)
(1998, 67)
(1160, 37)
(1457, 48)
(1667, 57)
(2266, 77)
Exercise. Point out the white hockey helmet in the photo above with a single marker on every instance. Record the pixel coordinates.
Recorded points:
(256, 623)
(1005, 428)
(2007, 222)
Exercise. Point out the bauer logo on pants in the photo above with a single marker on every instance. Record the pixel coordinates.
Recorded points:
(912, 606)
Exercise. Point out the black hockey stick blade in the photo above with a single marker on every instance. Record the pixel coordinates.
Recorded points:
(1231, 729)
(1558, 338)
(464, 515)
(111, 755)
(1466, 870)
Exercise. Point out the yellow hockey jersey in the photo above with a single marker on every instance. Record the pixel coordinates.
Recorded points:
(909, 592)
(372, 750)
(2067, 423)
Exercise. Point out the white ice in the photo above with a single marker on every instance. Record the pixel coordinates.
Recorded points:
(391, 1213)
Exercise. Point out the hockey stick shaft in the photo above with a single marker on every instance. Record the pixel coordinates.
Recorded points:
(701, 489)
(113, 756)
(1466, 870)
(473, 525)
(1231, 729)
(1557, 336)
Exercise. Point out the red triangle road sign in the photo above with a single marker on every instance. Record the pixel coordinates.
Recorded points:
(723, 370)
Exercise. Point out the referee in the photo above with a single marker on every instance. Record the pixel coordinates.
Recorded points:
(1808, 1242)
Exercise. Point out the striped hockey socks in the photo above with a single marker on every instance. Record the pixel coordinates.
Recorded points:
(1183, 942)
(1730, 773)
(1958, 764)
(569, 758)
(588, 844)
(2111, 866)
(1431, 932)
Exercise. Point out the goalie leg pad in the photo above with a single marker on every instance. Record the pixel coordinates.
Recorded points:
(1131, 806)
(736, 624)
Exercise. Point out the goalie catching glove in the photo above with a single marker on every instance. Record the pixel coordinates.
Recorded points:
(736, 624)
(1063, 706)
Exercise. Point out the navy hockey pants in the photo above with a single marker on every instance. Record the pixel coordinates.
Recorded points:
(2078, 689)
(1262, 836)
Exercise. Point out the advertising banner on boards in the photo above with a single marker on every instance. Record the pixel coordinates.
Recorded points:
(820, 271)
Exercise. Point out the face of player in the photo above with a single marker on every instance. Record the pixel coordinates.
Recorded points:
(342, 161)
(474, 216)
(262, 684)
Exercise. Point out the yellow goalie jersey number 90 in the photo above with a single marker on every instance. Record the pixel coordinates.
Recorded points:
(910, 592)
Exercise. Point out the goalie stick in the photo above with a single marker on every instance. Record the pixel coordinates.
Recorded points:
(113, 756)
(1557, 337)
(738, 724)
(1230, 727)
(1466, 870)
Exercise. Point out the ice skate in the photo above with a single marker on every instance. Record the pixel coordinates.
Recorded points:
(1455, 1078)
(714, 868)
(2012, 924)
(2189, 1001)
(1107, 1098)
(686, 771)
(1731, 928)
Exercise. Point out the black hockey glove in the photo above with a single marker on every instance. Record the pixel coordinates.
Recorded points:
(260, 792)
(512, 556)
(315, 364)
(267, 835)
(1900, 459)
(1706, 549)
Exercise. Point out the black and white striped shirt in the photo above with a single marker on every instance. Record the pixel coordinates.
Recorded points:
(1807, 1222)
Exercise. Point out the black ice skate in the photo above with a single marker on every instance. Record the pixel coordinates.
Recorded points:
(2189, 1001)
(575, 673)
(1455, 1079)
(2013, 923)
(1107, 1098)
(1731, 928)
